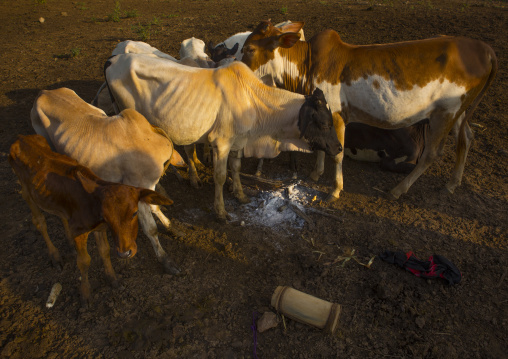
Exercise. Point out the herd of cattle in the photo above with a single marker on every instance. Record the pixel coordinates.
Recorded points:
(259, 93)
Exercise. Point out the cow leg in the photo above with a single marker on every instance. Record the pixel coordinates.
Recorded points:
(340, 129)
(220, 161)
(235, 163)
(101, 238)
(259, 168)
(39, 221)
(196, 160)
(293, 164)
(68, 233)
(319, 167)
(440, 126)
(150, 229)
(165, 221)
(193, 174)
(464, 139)
(157, 211)
(207, 153)
(83, 260)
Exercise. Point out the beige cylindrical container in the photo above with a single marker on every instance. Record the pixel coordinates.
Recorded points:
(306, 308)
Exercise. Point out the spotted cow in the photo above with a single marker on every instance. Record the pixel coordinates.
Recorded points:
(389, 86)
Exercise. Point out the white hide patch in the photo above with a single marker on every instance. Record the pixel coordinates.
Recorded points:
(369, 156)
(333, 95)
(363, 155)
(268, 147)
(397, 108)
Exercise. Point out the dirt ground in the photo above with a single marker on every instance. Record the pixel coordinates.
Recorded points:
(230, 271)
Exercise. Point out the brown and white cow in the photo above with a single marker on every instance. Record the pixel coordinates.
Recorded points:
(124, 148)
(388, 86)
(57, 184)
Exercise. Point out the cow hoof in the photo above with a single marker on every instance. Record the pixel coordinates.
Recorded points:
(295, 175)
(314, 176)
(450, 188)
(115, 284)
(243, 199)
(57, 263)
(331, 198)
(197, 184)
(223, 218)
(176, 233)
(257, 174)
(170, 268)
(393, 196)
(86, 302)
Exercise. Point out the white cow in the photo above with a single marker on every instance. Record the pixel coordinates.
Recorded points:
(123, 148)
(227, 107)
(192, 53)
(139, 47)
(195, 49)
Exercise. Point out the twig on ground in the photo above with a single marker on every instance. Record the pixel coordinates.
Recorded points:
(329, 215)
(320, 254)
(302, 214)
(379, 190)
(502, 278)
(249, 179)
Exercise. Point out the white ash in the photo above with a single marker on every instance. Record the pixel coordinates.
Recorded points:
(270, 209)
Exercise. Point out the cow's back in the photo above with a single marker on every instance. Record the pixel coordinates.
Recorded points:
(184, 101)
(117, 148)
(48, 177)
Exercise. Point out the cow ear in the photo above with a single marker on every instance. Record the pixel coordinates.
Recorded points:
(177, 160)
(318, 97)
(305, 117)
(292, 27)
(210, 47)
(88, 184)
(234, 49)
(264, 26)
(288, 39)
(151, 197)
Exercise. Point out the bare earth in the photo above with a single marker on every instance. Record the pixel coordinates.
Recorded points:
(231, 271)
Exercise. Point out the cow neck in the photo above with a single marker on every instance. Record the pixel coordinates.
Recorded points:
(277, 110)
(295, 63)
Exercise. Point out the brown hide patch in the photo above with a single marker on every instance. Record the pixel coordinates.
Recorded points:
(266, 36)
(376, 84)
(407, 64)
(301, 84)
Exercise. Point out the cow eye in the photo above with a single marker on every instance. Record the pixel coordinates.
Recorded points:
(248, 50)
(135, 214)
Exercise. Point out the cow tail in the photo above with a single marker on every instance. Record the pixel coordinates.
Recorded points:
(490, 79)
(113, 101)
(95, 100)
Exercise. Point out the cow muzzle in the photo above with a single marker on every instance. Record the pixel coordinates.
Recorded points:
(128, 254)
(334, 150)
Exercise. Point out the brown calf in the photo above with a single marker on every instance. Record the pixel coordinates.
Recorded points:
(59, 185)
